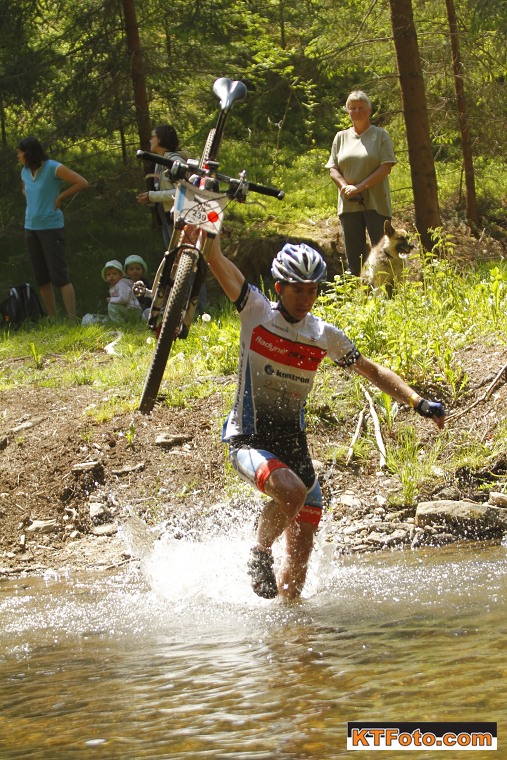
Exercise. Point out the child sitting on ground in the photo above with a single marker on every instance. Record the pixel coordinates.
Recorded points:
(122, 304)
(136, 270)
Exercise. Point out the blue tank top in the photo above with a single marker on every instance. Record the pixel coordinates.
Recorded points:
(41, 192)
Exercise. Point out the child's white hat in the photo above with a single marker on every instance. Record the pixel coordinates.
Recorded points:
(136, 260)
(113, 264)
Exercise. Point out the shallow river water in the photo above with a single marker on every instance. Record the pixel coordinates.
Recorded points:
(181, 660)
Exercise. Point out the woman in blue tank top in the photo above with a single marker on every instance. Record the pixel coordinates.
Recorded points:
(42, 181)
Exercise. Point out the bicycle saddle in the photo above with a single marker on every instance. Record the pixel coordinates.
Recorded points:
(229, 92)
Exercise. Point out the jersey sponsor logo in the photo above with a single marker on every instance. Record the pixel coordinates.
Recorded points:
(269, 370)
(284, 351)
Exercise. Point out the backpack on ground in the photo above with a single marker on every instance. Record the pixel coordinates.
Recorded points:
(21, 305)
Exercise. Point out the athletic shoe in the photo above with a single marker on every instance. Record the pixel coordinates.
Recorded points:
(260, 569)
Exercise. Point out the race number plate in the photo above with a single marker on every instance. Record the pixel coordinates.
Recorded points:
(203, 208)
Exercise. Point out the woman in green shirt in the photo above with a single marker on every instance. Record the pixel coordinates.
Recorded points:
(361, 159)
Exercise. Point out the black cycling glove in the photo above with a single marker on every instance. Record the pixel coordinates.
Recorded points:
(430, 408)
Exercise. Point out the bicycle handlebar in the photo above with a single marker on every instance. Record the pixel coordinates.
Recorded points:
(184, 169)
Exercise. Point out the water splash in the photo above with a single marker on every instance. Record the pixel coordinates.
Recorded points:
(196, 557)
(198, 567)
(204, 556)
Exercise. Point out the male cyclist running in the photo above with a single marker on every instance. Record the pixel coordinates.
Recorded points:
(281, 347)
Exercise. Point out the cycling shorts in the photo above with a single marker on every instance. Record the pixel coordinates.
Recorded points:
(255, 461)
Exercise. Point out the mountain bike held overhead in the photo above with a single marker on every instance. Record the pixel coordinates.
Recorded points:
(202, 195)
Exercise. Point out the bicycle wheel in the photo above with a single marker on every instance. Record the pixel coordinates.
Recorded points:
(171, 321)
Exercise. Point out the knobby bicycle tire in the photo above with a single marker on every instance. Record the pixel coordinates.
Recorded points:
(170, 325)
(207, 147)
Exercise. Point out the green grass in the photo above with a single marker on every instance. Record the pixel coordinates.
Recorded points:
(412, 463)
(59, 355)
(420, 333)
(417, 333)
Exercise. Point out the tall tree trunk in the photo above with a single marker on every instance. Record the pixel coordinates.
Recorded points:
(466, 144)
(422, 167)
(137, 72)
(2, 123)
(119, 118)
(281, 13)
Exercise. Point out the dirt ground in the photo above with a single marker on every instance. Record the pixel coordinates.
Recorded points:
(80, 478)
(68, 482)
(57, 464)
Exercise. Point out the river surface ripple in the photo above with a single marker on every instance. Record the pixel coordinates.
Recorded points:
(179, 659)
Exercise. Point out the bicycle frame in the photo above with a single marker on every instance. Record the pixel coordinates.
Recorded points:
(203, 210)
(198, 210)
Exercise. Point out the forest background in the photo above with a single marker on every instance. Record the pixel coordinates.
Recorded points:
(91, 79)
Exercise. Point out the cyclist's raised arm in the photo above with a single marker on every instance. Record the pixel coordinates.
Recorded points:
(227, 273)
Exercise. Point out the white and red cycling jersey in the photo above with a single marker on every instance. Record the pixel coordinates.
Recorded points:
(277, 365)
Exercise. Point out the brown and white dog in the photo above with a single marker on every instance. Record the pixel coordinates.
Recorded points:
(385, 263)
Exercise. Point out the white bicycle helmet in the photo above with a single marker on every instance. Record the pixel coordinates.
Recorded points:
(298, 263)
